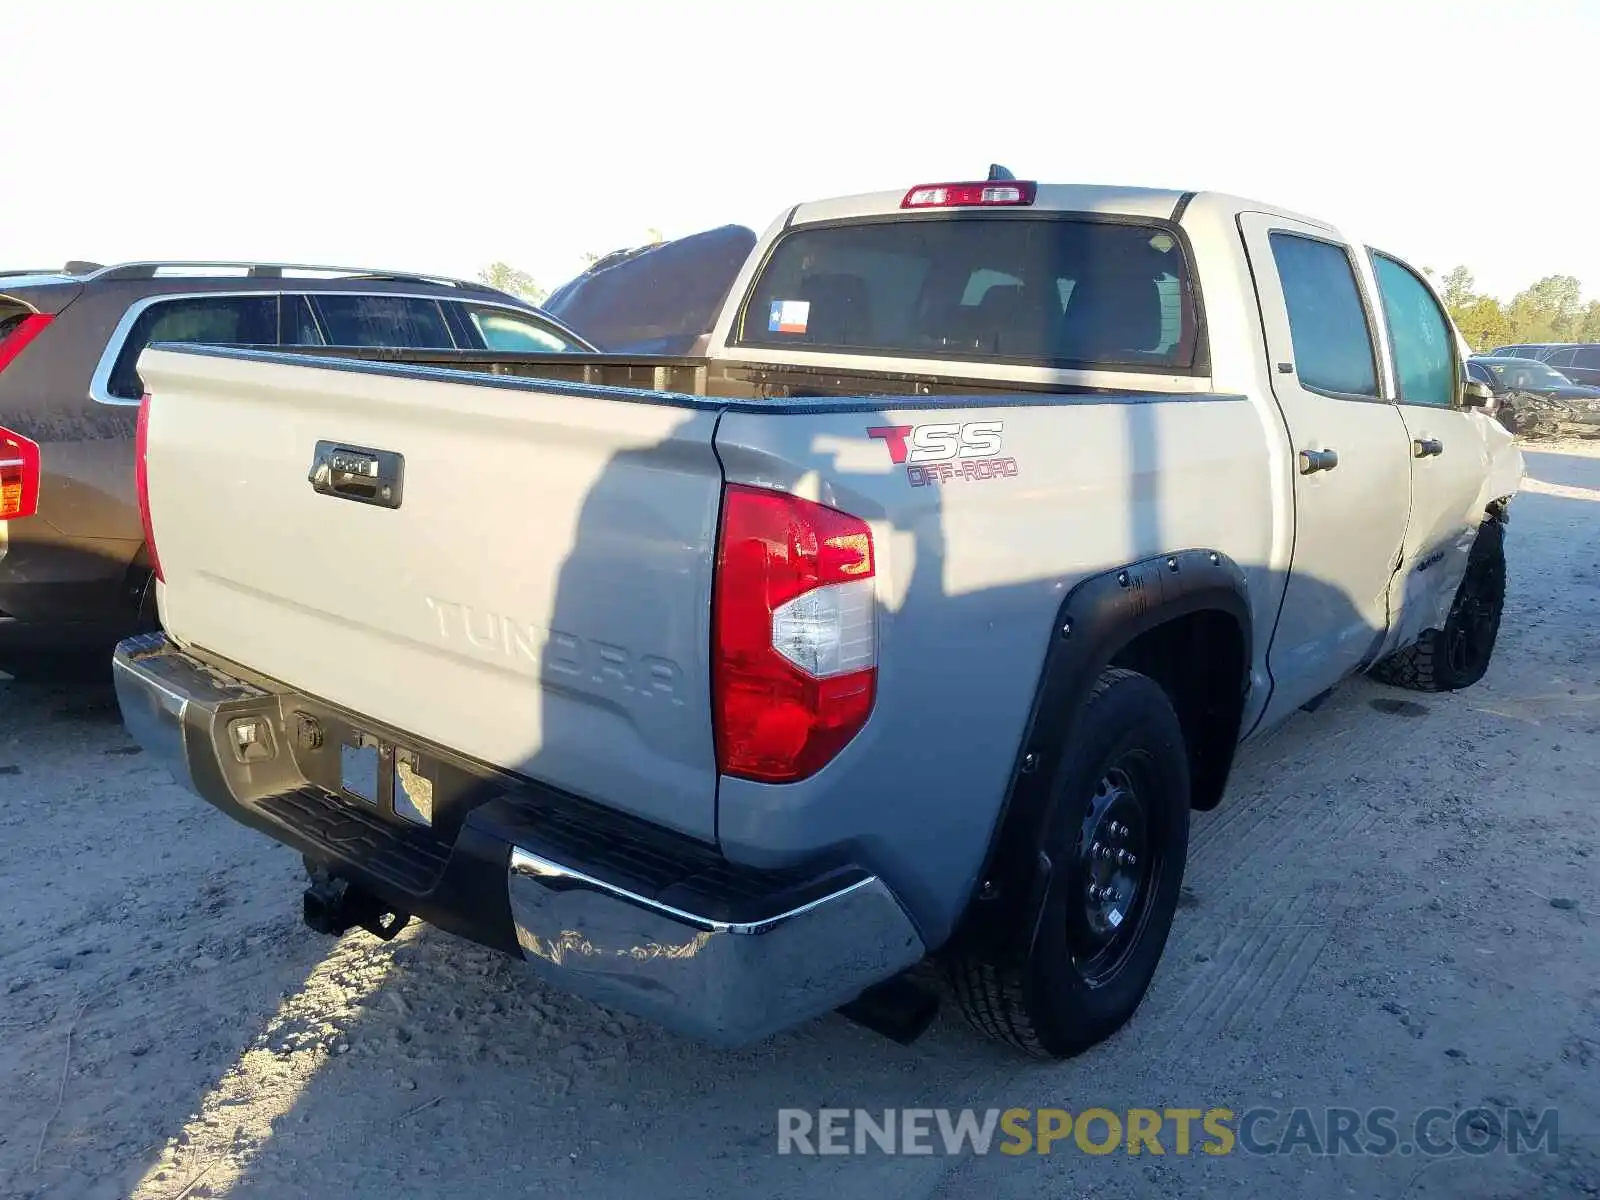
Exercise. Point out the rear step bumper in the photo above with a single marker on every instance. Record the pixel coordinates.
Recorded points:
(624, 913)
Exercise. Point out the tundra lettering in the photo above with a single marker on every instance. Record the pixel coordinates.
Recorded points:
(607, 668)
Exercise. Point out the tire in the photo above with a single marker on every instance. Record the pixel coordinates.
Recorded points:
(1089, 961)
(1457, 656)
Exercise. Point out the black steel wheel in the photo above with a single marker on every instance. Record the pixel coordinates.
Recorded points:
(1114, 843)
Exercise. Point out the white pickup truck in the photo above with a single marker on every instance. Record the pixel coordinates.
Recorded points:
(907, 623)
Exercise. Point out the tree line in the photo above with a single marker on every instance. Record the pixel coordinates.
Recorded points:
(1551, 310)
(519, 283)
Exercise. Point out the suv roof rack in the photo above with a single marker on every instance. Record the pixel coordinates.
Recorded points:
(73, 267)
(278, 270)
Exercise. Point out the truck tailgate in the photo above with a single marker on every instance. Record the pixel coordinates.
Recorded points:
(534, 592)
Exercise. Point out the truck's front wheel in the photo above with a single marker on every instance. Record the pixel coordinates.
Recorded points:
(1457, 656)
(1116, 838)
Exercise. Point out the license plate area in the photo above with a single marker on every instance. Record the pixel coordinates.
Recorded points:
(414, 785)
(361, 759)
(413, 782)
(367, 768)
(393, 779)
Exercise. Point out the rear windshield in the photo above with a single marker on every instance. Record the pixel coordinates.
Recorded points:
(12, 314)
(1034, 290)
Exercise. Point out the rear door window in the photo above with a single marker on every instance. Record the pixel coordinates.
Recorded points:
(299, 323)
(1558, 359)
(1327, 321)
(204, 320)
(356, 320)
(1587, 357)
(1036, 290)
(504, 330)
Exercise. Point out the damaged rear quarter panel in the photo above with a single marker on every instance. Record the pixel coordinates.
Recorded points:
(972, 567)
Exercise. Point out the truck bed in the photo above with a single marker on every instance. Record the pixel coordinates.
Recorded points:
(698, 376)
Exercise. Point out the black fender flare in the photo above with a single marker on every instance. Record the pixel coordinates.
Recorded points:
(1097, 619)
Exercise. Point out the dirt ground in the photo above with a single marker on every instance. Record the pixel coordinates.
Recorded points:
(1398, 904)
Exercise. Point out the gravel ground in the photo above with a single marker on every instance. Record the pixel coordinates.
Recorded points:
(1397, 905)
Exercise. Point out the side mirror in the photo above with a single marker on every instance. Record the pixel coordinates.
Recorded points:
(1476, 394)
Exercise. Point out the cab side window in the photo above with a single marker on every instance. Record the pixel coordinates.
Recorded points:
(206, 320)
(1420, 338)
(1327, 321)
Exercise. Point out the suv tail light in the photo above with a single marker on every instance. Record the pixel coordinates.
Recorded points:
(795, 650)
(19, 457)
(19, 476)
(141, 480)
(23, 332)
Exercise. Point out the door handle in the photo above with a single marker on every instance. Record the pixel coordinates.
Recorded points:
(1312, 461)
(1426, 447)
(355, 473)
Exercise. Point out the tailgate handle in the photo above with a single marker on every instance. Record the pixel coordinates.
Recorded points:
(1312, 461)
(357, 473)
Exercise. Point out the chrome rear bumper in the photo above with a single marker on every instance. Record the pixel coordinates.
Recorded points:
(724, 954)
(153, 712)
(725, 982)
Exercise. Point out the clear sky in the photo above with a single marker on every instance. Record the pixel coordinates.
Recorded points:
(442, 136)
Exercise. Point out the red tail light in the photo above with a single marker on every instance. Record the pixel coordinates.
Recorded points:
(19, 476)
(15, 342)
(795, 652)
(19, 457)
(990, 194)
(141, 479)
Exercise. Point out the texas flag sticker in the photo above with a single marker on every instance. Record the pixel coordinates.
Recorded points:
(788, 316)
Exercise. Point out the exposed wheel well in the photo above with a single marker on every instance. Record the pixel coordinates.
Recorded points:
(1199, 659)
(1183, 620)
(139, 593)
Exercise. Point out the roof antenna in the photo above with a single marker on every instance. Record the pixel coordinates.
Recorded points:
(996, 171)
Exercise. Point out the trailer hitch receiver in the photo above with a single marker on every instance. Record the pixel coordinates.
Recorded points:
(333, 906)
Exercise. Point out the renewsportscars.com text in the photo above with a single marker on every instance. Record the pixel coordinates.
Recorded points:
(1430, 1132)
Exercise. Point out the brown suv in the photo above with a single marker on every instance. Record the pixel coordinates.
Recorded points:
(74, 576)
